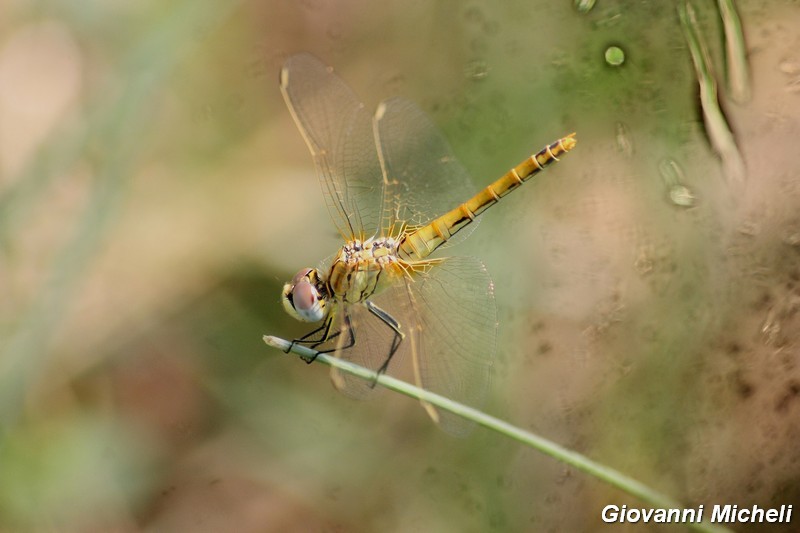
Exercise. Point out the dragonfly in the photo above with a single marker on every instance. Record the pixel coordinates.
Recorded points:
(396, 194)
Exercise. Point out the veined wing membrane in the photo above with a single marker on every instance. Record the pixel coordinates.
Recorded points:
(338, 131)
(423, 177)
(454, 313)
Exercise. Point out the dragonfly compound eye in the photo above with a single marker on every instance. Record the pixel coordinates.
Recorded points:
(301, 299)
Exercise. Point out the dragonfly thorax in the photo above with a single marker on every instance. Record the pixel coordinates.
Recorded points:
(382, 251)
(355, 273)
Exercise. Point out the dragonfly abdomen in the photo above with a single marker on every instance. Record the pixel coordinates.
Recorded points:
(428, 238)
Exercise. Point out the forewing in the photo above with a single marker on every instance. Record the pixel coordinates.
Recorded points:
(339, 133)
(423, 177)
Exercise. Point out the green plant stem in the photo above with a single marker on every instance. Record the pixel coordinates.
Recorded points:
(569, 457)
(716, 126)
(735, 52)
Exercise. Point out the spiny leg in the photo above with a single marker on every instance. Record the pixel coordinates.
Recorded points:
(389, 320)
(325, 337)
(325, 328)
(350, 342)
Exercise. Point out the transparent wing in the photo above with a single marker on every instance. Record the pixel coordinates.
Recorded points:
(453, 313)
(423, 177)
(448, 316)
(339, 133)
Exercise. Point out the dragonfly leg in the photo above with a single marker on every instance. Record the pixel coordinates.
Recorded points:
(350, 342)
(389, 320)
(325, 328)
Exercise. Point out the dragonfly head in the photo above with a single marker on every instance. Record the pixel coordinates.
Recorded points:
(303, 297)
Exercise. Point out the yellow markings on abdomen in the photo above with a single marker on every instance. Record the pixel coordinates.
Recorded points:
(428, 238)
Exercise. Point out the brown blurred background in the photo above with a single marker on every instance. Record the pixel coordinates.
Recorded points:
(155, 195)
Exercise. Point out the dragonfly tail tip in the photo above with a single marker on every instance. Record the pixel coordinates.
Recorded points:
(569, 142)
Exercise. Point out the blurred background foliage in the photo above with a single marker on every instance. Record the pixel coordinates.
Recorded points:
(155, 194)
